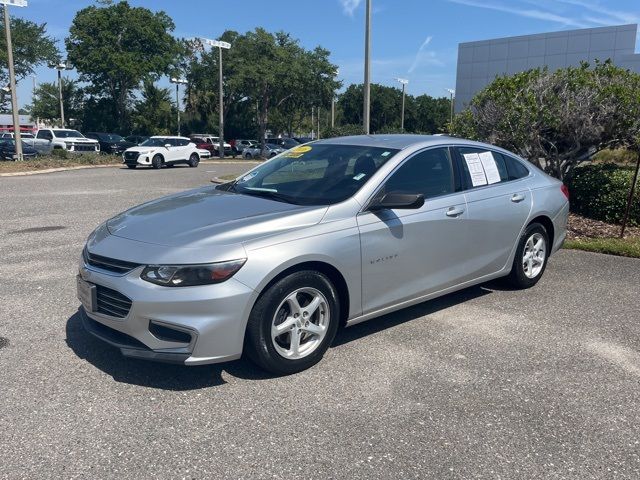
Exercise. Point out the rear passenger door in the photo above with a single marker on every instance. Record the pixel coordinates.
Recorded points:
(498, 202)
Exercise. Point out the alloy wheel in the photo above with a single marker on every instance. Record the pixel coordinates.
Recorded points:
(300, 323)
(534, 255)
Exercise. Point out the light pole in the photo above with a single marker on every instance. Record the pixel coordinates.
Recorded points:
(220, 45)
(178, 82)
(452, 94)
(404, 83)
(366, 116)
(333, 104)
(60, 66)
(12, 74)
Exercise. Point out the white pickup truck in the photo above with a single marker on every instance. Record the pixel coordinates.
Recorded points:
(70, 140)
(43, 147)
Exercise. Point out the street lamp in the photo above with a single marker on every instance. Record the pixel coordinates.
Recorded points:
(333, 103)
(12, 73)
(404, 83)
(60, 66)
(366, 116)
(178, 82)
(220, 45)
(452, 94)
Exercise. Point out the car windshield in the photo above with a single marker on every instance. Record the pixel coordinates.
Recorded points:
(67, 134)
(154, 142)
(321, 174)
(110, 137)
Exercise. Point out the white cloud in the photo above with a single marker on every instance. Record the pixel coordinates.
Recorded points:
(525, 12)
(615, 16)
(422, 56)
(350, 6)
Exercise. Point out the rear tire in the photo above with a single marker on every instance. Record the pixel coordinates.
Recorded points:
(305, 306)
(194, 160)
(531, 257)
(157, 162)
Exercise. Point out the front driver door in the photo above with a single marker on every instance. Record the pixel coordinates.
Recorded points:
(410, 253)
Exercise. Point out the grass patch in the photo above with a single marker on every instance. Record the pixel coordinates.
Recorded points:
(623, 247)
(44, 163)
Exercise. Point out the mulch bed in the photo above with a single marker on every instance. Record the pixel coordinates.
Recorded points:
(582, 227)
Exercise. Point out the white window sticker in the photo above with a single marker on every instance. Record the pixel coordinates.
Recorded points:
(490, 167)
(475, 169)
(385, 154)
(360, 176)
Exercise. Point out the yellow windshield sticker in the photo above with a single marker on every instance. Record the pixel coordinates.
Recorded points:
(298, 152)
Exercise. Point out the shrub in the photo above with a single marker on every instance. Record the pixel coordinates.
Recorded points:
(600, 191)
(59, 153)
(621, 156)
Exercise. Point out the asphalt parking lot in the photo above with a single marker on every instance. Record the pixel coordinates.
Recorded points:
(484, 383)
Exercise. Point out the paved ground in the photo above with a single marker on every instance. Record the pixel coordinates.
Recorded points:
(486, 383)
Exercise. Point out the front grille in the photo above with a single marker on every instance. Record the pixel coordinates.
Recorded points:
(109, 264)
(112, 303)
(84, 148)
(131, 156)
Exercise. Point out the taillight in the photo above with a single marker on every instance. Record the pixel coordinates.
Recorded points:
(565, 190)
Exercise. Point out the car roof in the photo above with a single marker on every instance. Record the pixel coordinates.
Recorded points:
(398, 141)
(170, 136)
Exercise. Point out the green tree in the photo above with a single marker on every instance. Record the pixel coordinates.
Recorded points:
(269, 79)
(558, 119)
(46, 104)
(32, 47)
(154, 114)
(423, 114)
(114, 48)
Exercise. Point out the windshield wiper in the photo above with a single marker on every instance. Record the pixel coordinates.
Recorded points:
(267, 193)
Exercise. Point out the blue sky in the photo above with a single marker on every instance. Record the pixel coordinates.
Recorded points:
(414, 39)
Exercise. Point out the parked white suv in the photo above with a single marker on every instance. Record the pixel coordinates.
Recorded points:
(70, 140)
(158, 151)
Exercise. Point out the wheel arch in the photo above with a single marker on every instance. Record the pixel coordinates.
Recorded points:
(547, 223)
(334, 275)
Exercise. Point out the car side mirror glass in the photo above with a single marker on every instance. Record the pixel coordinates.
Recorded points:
(407, 201)
(167, 145)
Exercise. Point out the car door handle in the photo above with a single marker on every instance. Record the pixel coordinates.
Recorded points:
(454, 212)
(517, 197)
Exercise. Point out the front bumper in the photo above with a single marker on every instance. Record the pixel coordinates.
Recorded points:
(213, 317)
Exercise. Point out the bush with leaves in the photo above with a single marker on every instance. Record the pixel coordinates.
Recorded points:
(600, 191)
(558, 119)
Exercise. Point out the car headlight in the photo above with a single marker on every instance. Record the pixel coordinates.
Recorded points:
(191, 275)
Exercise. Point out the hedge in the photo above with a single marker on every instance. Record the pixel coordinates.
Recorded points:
(601, 191)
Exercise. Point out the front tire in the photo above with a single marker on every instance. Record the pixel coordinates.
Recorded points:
(531, 257)
(194, 160)
(157, 162)
(293, 323)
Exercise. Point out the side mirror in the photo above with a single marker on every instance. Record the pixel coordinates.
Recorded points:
(167, 145)
(407, 201)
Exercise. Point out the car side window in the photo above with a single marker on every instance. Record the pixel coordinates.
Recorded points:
(183, 143)
(429, 172)
(45, 134)
(172, 141)
(489, 167)
(515, 168)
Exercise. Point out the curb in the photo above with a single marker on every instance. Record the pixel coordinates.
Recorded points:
(54, 170)
(113, 165)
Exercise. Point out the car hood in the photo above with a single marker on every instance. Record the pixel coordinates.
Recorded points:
(77, 139)
(144, 149)
(207, 216)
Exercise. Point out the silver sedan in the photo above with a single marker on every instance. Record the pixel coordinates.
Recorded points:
(322, 236)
